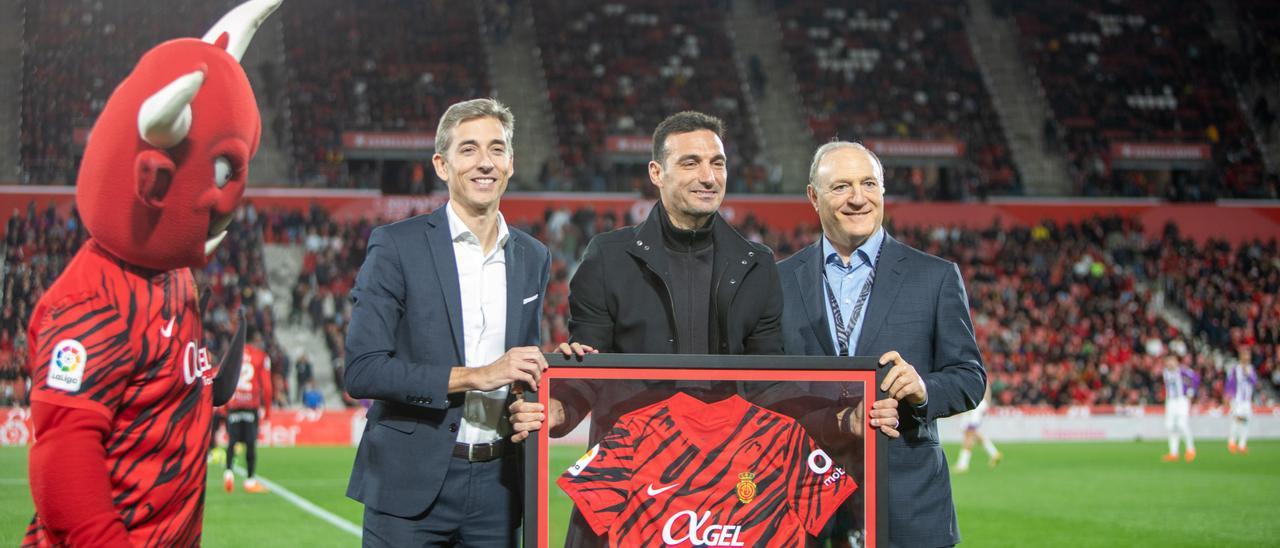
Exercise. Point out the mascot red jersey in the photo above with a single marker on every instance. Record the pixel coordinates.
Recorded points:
(122, 387)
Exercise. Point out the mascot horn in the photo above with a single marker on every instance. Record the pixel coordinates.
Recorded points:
(123, 389)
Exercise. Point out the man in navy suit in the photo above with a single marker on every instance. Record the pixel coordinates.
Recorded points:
(859, 292)
(443, 336)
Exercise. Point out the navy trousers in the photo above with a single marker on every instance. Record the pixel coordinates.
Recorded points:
(478, 506)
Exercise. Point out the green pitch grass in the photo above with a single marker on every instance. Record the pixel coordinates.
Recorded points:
(1060, 494)
(1120, 494)
(317, 474)
(1097, 494)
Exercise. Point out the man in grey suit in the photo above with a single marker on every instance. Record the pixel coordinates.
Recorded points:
(443, 335)
(859, 292)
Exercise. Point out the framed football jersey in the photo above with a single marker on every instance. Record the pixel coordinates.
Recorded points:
(705, 450)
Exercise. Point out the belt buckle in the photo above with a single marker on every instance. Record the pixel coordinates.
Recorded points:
(482, 452)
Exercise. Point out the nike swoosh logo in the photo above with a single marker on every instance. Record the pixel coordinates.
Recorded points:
(167, 330)
(655, 492)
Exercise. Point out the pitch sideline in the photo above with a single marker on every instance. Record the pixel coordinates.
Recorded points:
(306, 505)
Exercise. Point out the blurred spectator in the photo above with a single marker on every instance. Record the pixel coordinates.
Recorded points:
(280, 369)
(312, 398)
(14, 379)
(306, 375)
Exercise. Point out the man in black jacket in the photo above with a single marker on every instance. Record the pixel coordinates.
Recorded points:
(668, 285)
(681, 282)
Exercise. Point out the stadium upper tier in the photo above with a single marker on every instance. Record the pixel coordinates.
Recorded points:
(1113, 72)
(619, 68)
(74, 53)
(895, 69)
(375, 65)
(1139, 71)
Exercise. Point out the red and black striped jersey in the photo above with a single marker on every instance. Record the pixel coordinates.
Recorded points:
(687, 473)
(108, 338)
(253, 391)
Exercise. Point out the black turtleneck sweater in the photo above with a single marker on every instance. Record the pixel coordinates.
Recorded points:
(691, 258)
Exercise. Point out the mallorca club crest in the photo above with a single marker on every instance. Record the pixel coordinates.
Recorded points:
(746, 487)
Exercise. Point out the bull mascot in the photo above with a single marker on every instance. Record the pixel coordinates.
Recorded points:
(123, 389)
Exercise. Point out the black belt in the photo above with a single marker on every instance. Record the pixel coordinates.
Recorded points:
(481, 452)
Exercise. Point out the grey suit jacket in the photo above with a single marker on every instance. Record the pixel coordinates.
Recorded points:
(918, 306)
(405, 337)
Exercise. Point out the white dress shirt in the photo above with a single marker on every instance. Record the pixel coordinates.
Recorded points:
(483, 280)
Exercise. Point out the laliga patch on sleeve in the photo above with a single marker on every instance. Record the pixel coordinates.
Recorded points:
(66, 366)
(584, 461)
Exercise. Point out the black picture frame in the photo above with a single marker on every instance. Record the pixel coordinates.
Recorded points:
(726, 368)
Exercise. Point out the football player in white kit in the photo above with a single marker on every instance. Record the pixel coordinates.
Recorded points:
(972, 422)
(1180, 384)
(1242, 380)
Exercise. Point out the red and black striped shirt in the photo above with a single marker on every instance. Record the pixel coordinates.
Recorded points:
(683, 472)
(127, 344)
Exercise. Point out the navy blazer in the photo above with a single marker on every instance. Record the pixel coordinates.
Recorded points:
(404, 339)
(919, 307)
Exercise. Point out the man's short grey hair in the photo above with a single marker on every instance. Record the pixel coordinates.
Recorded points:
(877, 168)
(470, 110)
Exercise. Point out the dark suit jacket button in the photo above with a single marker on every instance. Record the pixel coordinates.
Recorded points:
(453, 427)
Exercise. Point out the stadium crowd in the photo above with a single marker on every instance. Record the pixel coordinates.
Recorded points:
(37, 246)
(236, 279)
(1062, 313)
(1066, 314)
(1230, 293)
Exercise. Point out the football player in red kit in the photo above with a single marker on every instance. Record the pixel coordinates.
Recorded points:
(122, 387)
(251, 402)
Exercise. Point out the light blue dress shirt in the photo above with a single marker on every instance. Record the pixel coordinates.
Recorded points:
(846, 282)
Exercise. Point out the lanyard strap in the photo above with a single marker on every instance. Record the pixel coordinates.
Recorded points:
(843, 329)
